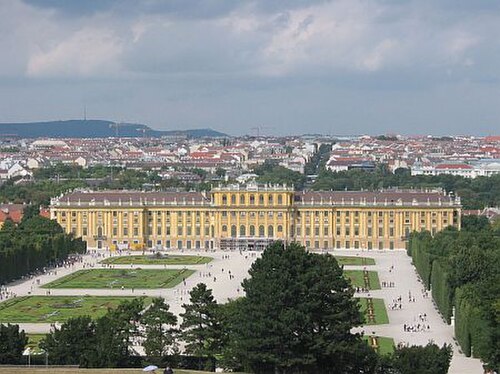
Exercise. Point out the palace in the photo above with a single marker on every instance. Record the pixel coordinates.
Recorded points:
(250, 217)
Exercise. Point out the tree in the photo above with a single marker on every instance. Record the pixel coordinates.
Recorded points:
(275, 174)
(160, 333)
(201, 328)
(297, 316)
(220, 172)
(114, 333)
(73, 343)
(41, 225)
(12, 344)
(422, 360)
(31, 211)
(475, 223)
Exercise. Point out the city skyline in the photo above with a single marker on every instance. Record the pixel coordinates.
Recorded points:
(342, 67)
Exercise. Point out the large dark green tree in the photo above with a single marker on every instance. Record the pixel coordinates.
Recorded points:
(114, 334)
(201, 327)
(12, 343)
(297, 316)
(422, 360)
(160, 325)
(73, 343)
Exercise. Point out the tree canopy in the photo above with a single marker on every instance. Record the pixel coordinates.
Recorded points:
(297, 316)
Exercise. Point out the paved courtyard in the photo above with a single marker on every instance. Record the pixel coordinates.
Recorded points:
(392, 266)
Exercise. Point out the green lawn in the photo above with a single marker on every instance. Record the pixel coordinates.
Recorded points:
(385, 345)
(49, 309)
(158, 260)
(351, 260)
(379, 310)
(357, 278)
(116, 278)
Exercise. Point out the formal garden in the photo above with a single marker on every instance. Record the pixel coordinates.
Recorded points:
(363, 279)
(374, 311)
(381, 344)
(50, 309)
(354, 261)
(158, 259)
(122, 278)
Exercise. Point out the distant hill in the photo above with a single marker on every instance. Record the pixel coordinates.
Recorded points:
(95, 129)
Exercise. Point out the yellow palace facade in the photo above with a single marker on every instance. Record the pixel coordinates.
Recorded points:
(249, 217)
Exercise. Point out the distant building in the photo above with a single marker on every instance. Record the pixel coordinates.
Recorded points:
(478, 169)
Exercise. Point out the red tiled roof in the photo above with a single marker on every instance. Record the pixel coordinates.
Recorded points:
(11, 211)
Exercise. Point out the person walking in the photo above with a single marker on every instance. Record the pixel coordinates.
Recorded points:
(168, 370)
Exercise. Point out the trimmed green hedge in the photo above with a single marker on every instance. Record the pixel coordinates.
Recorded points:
(441, 290)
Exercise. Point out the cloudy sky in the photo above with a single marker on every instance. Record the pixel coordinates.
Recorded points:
(295, 66)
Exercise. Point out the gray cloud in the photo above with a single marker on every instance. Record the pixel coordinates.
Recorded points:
(349, 65)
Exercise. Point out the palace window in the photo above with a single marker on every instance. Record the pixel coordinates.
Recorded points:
(280, 200)
(261, 230)
(242, 199)
(270, 231)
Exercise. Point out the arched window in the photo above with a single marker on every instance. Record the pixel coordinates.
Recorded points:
(252, 230)
(224, 228)
(224, 200)
(280, 228)
(261, 199)
(270, 231)
(280, 200)
(242, 199)
(270, 199)
(262, 230)
(99, 231)
(252, 199)
(233, 199)
(233, 231)
(243, 230)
